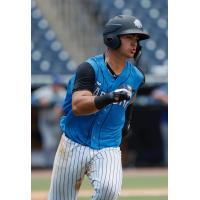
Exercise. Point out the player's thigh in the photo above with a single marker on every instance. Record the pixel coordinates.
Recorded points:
(68, 170)
(106, 174)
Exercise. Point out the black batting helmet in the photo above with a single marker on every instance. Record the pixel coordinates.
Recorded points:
(122, 25)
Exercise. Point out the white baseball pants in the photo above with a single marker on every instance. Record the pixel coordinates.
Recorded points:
(72, 161)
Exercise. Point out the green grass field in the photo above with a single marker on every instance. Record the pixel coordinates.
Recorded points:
(134, 182)
(128, 182)
(135, 198)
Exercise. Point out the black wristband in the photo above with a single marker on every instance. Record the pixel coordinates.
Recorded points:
(104, 100)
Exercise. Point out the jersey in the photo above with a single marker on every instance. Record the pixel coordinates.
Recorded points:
(103, 128)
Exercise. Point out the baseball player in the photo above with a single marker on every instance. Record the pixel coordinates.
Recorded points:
(94, 115)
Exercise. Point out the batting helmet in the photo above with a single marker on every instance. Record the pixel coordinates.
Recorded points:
(122, 25)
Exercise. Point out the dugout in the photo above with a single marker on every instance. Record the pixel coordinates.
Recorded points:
(144, 146)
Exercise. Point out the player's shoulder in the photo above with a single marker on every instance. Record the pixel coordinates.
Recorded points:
(84, 67)
(137, 73)
(95, 62)
(95, 59)
(136, 70)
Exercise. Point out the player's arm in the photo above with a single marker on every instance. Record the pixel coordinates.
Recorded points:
(83, 102)
(127, 125)
(82, 98)
(128, 118)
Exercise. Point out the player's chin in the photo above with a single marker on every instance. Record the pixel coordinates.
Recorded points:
(130, 55)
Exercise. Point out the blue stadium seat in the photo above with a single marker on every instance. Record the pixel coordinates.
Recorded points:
(47, 54)
(52, 58)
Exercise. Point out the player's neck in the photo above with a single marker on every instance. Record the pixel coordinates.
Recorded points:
(115, 60)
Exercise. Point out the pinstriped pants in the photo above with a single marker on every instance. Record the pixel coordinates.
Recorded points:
(72, 161)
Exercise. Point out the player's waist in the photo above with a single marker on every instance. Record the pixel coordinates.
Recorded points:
(95, 143)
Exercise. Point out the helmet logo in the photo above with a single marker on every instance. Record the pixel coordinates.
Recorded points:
(137, 23)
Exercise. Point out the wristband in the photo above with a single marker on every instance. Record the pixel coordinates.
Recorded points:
(117, 96)
(104, 100)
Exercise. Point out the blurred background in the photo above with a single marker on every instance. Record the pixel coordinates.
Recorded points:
(66, 32)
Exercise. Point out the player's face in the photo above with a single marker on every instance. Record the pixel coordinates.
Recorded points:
(128, 45)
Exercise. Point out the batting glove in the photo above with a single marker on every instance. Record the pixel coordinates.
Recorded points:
(121, 94)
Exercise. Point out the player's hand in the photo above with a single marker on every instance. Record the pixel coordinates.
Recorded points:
(121, 94)
(117, 95)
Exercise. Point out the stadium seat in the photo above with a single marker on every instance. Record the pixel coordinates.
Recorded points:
(47, 54)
